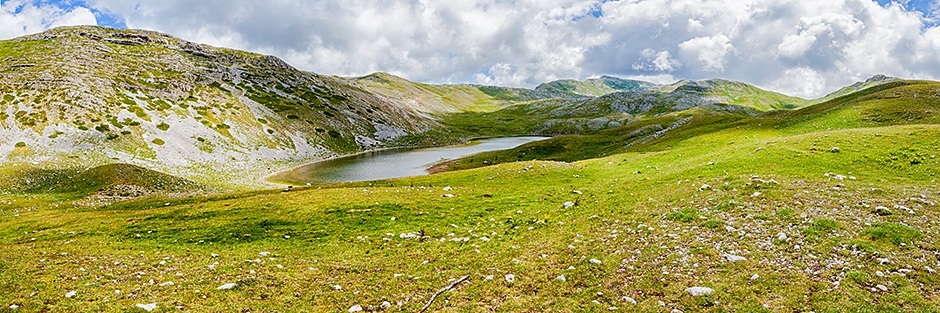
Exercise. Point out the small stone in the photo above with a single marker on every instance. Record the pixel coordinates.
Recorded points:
(883, 261)
(561, 278)
(781, 236)
(594, 261)
(879, 274)
(834, 150)
(510, 278)
(227, 286)
(169, 283)
(355, 308)
(14, 306)
(676, 311)
(840, 177)
(613, 308)
(70, 294)
(264, 254)
(385, 305)
(754, 277)
(147, 307)
(704, 187)
(699, 291)
(628, 300)
(882, 287)
(883, 211)
(488, 277)
(569, 204)
(337, 287)
(215, 255)
(734, 258)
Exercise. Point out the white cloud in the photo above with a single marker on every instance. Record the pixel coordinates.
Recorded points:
(21, 17)
(807, 48)
(650, 60)
(711, 51)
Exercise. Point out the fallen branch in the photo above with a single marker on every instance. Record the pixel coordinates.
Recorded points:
(449, 287)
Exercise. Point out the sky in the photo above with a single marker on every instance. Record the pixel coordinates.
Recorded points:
(797, 47)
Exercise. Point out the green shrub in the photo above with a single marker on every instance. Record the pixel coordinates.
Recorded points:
(685, 215)
(821, 227)
(892, 233)
(163, 126)
(20, 144)
(158, 141)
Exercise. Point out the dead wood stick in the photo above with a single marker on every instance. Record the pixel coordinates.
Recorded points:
(449, 287)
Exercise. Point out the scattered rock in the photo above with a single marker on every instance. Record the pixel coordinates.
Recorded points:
(781, 236)
(561, 278)
(448, 188)
(704, 187)
(699, 291)
(594, 261)
(448, 195)
(169, 283)
(227, 286)
(883, 211)
(385, 305)
(355, 308)
(510, 278)
(14, 306)
(754, 277)
(488, 277)
(215, 255)
(834, 150)
(628, 300)
(569, 204)
(883, 261)
(264, 254)
(70, 294)
(882, 287)
(147, 307)
(734, 258)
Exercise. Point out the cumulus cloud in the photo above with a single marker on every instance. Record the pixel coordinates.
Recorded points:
(21, 17)
(651, 60)
(711, 51)
(804, 48)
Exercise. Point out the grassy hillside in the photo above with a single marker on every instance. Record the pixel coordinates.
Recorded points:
(593, 87)
(895, 103)
(762, 209)
(97, 94)
(436, 99)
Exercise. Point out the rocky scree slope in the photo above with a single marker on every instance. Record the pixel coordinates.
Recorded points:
(92, 95)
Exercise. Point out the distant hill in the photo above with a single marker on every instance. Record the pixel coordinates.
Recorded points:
(593, 87)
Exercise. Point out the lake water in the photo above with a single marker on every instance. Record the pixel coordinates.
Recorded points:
(394, 163)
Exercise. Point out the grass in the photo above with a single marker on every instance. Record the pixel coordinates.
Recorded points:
(802, 216)
(651, 244)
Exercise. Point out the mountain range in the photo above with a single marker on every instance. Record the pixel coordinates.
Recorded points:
(86, 96)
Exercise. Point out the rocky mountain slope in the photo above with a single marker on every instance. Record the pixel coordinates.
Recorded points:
(89, 96)
(593, 87)
(98, 95)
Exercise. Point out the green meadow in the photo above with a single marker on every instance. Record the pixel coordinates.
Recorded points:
(826, 208)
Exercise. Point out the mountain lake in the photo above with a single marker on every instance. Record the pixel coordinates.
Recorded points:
(392, 163)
